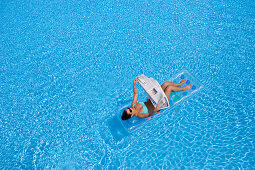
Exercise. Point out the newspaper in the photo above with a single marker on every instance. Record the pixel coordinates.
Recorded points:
(154, 91)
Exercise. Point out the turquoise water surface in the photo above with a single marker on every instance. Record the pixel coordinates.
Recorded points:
(66, 66)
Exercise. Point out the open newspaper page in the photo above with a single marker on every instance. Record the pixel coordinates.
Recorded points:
(154, 91)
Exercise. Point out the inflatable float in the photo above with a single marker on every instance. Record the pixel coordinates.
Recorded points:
(174, 99)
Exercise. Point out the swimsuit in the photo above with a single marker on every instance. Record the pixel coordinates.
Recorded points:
(145, 109)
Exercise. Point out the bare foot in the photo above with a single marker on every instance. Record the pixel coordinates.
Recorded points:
(182, 82)
(187, 87)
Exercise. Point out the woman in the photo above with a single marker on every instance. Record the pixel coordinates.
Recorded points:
(146, 109)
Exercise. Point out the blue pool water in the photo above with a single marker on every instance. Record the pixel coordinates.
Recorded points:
(65, 66)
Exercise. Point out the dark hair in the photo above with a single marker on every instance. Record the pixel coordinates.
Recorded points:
(125, 115)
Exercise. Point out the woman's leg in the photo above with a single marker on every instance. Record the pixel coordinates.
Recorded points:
(169, 89)
(166, 84)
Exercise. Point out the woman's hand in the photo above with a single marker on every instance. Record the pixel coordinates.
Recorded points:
(135, 81)
(157, 108)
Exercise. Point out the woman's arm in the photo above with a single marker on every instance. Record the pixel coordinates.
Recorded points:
(135, 93)
(156, 109)
(143, 115)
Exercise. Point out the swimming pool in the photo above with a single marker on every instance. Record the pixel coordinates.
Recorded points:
(65, 67)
